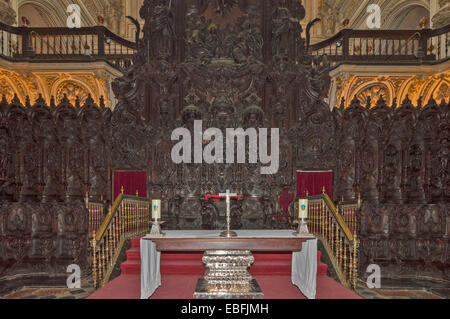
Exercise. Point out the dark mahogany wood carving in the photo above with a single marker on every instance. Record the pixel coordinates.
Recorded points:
(253, 71)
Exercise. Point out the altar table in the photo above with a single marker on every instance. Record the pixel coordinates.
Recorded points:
(304, 253)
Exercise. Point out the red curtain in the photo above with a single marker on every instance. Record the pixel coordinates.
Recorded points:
(314, 182)
(131, 182)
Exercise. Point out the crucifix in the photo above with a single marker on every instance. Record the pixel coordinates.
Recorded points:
(228, 233)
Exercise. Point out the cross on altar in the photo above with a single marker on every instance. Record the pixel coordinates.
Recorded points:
(228, 196)
(228, 233)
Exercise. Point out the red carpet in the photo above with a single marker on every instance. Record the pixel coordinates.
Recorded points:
(188, 268)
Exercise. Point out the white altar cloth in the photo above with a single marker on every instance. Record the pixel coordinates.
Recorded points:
(304, 263)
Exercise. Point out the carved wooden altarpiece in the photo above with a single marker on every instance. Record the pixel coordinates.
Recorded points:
(232, 64)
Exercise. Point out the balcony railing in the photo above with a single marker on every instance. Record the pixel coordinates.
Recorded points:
(98, 43)
(66, 45)
(386, 46)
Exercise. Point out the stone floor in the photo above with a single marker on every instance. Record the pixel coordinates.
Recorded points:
(53, 293)
(405, 289)
(393, 289)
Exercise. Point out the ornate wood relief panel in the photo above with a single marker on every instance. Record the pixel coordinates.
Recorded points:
(253, 73)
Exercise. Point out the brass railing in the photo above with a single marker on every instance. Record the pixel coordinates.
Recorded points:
(128, 217)
(339, 240)
(96, 214)
(348, 210)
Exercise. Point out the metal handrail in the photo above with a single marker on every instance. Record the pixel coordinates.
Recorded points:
(113, 211)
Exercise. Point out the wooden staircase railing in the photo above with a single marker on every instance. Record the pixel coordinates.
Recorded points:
(128, 217)
(338, 234)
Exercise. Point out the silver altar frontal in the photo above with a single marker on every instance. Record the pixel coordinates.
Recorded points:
(228, 276)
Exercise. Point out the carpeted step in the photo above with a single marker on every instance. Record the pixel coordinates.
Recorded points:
(269, 263)
(131, 267)
(322, 269)
(134, 254)
(192, 267)
(272, 257)
(267, 267)
(136, 242)
(280, 264)
(184, 256)
(191, 263)
(281, 268)
(182, 267)
(279, 256)
(171, 264)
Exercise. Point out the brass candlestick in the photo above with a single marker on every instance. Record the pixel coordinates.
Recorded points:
(156, 228)
(302, 228)
(228, 233)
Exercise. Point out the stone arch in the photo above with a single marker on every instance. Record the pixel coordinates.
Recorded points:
(8, 89)
(72, 88)
(41, 14)
(57, 11)
(417, 87)
(377, 89)
(406, 14)
(440, 91)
